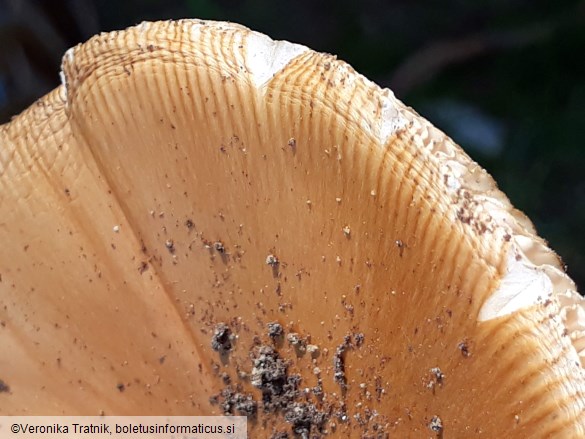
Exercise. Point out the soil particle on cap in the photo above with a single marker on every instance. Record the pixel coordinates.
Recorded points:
(4, 388)
(270, 375)
(304, 417)
(275, 330)
(226, 378)
(280, 393)
(318, 391)
(401, 246)
(438, 375)
(379, 388)
(236, 402)
(272, 260)
(296, 341)
(274, 264)
(221, 339)
(282, 396)
(339, 362)
(313, 350)
(464, 348)
(436, 425)
(358, 339)
(218, 245)
(437, 378)
(170, 245)
(341, 413)
(245, 405)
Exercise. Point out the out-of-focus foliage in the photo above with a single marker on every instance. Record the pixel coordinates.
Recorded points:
(505, 78)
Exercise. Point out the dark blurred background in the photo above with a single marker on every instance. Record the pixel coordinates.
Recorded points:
(504, 78)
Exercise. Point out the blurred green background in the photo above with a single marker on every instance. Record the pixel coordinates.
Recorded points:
(504, 78)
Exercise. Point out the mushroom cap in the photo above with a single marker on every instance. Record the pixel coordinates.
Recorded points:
(191, 182)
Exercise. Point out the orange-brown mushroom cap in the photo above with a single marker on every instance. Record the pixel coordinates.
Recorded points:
(192, 174)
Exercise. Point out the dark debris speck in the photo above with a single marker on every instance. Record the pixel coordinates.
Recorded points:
(4, 388)
(221, 340)
(170, 245)
(218, 245)
(464, 348)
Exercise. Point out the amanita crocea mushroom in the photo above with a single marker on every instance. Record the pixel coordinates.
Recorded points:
(199, 211)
